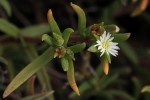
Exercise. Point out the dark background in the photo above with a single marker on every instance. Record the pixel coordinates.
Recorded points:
(132, 64)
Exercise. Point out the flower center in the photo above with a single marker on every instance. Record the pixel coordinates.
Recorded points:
(105, 44)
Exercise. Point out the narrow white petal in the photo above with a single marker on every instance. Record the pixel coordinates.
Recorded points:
(111, 39)
(96, 45)
(105, 44)
(115, 47)
(100, 47)
(104, 32)
(98, 42)
(101, 54)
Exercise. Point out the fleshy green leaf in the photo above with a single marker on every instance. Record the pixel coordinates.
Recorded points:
(66, 35)
(58, 40)
(81, 18)
(42, 74)
(111, 28)
(64, 63)
(8, 28)
(70, 53)
(53, 25)
(47, 39)
(146, 89)
(40, 96)
(5, 4)
(121, 37)
(35, 30)
(78, 47)
(92, 49)
(71, 78)
(29, 70)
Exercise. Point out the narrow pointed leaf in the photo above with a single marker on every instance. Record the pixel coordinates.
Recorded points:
(58, 40)
(121, 37)
(29, 70)
(47, 39)
(35, 30)
(78, 47)
(40, 96)
(5, 4)
(71, 78)
(8, 28)
(66, 35)
(42, 74)
(53, 25)
(145, 89)
(92, 49)
(81, 18)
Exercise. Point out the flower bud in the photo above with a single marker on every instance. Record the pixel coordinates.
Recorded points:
(59, 52)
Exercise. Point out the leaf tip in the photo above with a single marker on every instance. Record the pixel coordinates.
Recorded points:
(117, 28)
(71, 4)
(74, 6)
(75, 89)
(128, 34)
(5, 94)
(49, 14)
(145, 89)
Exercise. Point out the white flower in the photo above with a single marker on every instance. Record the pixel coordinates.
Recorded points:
(105, 44)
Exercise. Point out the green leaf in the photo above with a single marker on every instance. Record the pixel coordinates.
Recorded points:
(42, 74)
(70, 53)
(78, 47)
(40, 96)
(92, 49)
(66, 35)
(129, 52)
(29, 70)
(64, 63)
(53, 25)
(121, 37)
(71, 78)
(58, 40)
(47, 39)
(81, 18)
(146, 89)
(8, 28)
(35, 30)
(111, 28)
(6, 6)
